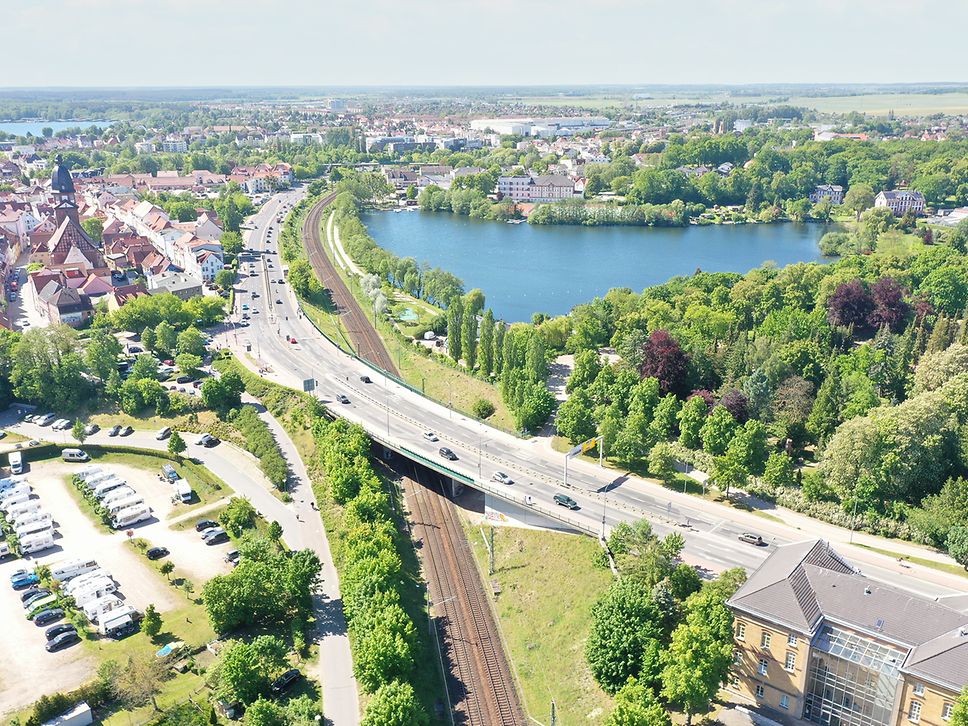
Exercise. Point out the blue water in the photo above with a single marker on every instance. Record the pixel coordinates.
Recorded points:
(21, 128)
(524, 269)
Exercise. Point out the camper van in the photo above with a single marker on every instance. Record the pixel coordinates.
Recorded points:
(11, 500)
(4, 549)
(63, 571)
(18, 510)
(95, 477)
(74, 455)
(184, 491)
(130, 516)
(22, 488)
(95, 609)
(16, 460)
(117, 494)
(168, 471)
(107, 486)
(117, 620)
(93, 591)
(34, 528)
(36, 542)
(87, 578)
(38, 515)
(126, 503)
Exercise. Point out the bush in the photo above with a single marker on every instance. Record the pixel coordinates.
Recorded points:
(260, 442)
(482, 408)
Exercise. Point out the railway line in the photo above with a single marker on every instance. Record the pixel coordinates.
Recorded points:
(363, 336)
(481, 689)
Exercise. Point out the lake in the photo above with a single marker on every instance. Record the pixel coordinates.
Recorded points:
(22, 128)
(524, 268)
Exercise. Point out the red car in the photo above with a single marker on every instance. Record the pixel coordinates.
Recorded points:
(293, 341)
(169, 362)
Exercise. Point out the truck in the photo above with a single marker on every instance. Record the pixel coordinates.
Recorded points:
(184, 491)
(16, 460)
(36, 542)
(65, 570)
(132, 515)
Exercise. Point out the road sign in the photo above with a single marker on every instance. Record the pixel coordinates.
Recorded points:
(309, 384)
(584, 447)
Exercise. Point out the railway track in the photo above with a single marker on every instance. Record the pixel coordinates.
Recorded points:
(363, 336)
(480, 684)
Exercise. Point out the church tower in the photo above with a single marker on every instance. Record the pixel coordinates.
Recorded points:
(62, 187)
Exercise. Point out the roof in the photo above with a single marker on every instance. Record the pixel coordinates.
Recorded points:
(60, 178)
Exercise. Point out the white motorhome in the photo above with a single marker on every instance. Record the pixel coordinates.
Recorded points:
(130, 516)
(94, 609)
(117, 494)
(88, 577)
(87, 471)
(126, 503)
(116, 620)
(36, 542)
(22, 488)
(17, 510)
(184, 490)
(96, 475)
(63, 571)
(16, 460)
(34, 528)
(93, 591)
(13, 499)
(106, 486)
(37, 515)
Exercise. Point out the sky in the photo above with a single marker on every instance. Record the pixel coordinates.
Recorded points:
(480, 42)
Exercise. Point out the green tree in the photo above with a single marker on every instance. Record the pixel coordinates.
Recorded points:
(692, 416)
(960, 715)
(665, 418)
(825, 414)
(455, 321)
(101, 354)
(223, 393)
(176, 444)
(486, 348)
(482, 408)
(238, 516)
(225, 278)
(244, 671)
(145, 367)
(729, 471)
(165, 337)
(779, 470)
(588, 364)
(167, 568)
(94, 226)
(151, 622)
(574, 420)
(636, 705)
(858, 198)
(48, 368)
(188, 363)
(191, 340)
(468, 337)
(662, 464)
(148, 339)
(717, 430)
(394, 704)
(78, 432)
(957, 544)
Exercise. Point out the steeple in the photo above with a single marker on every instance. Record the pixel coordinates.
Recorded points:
(62, 187)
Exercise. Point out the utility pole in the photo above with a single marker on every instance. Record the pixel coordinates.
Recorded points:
(490, 548)
(554, 715)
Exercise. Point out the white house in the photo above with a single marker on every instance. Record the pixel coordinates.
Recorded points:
(901, 201)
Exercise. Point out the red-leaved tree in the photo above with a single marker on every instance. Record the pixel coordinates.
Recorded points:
(664, 359)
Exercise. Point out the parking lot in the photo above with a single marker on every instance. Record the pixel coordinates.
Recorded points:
(34, 671)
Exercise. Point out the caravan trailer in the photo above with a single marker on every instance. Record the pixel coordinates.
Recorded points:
(34, 528)
(117, 494)
(12, 494)
(8, 483)
(106, 486)
(93, 591)
(96, 608)
(18, 510)
(63, 571)
(117, 620)
(130, 516)
(95, 477)
(36, 542)
(13, 499)
(37, 515)
(82, 581)
(127, 503)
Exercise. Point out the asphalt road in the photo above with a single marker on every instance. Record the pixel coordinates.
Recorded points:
(391, 412)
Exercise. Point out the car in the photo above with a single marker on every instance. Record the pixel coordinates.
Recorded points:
(281, 281)
(27, 594)
(24, 580)
(430, 436)
(211, 532)
(91, 428)
(447, 453)
(232, 557)
(48, 616)
(750, 538)
(61, 423)
(54, 630)
(285, 680)
(210, 442)
(3, 434)
(216, 537)
(168, 362)
(62, 641)
(278, 301)
(183, 379)
(563, 500)
(135, 349)
(203, 524)
(341, 398)
(13, 296)
(33, 442)
(365, 379)
(38, 595)
(156, 553)
(114, 430)
(293, 341)
(127, 431)
(502, 478)
(163, 433)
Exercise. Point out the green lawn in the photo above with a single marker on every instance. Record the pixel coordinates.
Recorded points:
(548, 585)
(923, 561)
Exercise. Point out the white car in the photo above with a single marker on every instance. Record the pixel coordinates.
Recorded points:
(430, 436)
(502, 478)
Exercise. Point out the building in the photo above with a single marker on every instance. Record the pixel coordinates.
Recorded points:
(528, 188)
(179, 284)
(174, 145)
(901, 201)
(817, 642)
(833, 192)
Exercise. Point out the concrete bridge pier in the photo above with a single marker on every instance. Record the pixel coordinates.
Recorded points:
(456, 488)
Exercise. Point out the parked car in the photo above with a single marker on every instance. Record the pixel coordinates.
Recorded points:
(341, 398)
(54, 630)
(33, 442)
(215, 536)
(563, 500)
(114, 430)
(447, 454)
(91, 428)
(211, 441)
(48, 616)
(430, 436)
(29, 593)
(127, 431)
(183, 379)
(278, 301)
(62, 641)
(232, 557)
(39, 595)
(293, 341)
(365, 379)
(163, 434)
(502, 478)
(285, 680)
(750, 538)
(156, 553)
(23, 580)
(203, 524)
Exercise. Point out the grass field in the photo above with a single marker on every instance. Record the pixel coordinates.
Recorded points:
(548, 586)
(923, 561)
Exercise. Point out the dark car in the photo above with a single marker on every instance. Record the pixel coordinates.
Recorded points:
(48, 616)
(203, 524)
(341, 398)
(211, 441)
(39, 595)
(750, 538)
(114, 430)
(127, 431)
(156, 553)
(365, 379)
(27, 594)
(285, 680)
(217, 537)
(278, 301)
(447, 453)
(62, 641)
(54, 630)
(563, 500)
(183, 379)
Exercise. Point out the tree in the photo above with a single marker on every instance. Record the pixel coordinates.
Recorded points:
(78, 432)
(165, 337)
(191, 340)
(729, 471)
(779, 470)
(140, 681)
(890, 308)
(167, 568)
(238, 516)
(486, 349)
(850, 305)
(101, 354)
(665, 418)
(692, 416)
(455, 320)
(245, 670)
(188, 363)
(662, 464)
(94, 226)
(858, 198)
(717, 431)
(468, 338)
(231, 242)
(960, 715)
(225, 278)
(145, 367)
(48, 368)
(574, 420)
(223, 393)
(626, 638)
(957, 544)
(151, 622)
(587, 366)
(482, 408)
(664, 359)
(176, 444)
(394, 704)
(636, 705)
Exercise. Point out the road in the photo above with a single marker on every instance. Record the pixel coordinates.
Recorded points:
(393, 413)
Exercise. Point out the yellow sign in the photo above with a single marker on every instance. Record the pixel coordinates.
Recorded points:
(588, 445)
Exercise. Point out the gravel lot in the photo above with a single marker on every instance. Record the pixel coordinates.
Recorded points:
(34, 672)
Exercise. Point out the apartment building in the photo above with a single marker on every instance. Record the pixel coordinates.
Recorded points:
(528, 188)
(833, 192)
(817, 642)
(901, 201)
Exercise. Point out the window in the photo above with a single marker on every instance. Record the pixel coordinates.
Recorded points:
(946, 711)
(765, 639)
(737, 657)
(918, 689)
(763, 667)
(792, 640)
(740, 631)
(759, 691)
(914, 712)
(791, 661)
(784, 701)
(734, 681)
